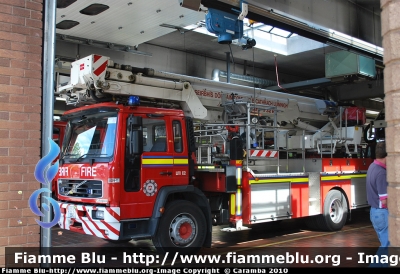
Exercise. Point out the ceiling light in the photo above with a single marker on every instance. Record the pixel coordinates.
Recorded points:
(280, 32)
(64, 3)
(372, 112)
(67, 24)
(380, 100)
(94, 9)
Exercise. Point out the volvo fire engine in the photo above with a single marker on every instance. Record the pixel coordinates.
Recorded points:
(163, 156)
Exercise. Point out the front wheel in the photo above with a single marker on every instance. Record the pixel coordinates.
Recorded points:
(182, 228)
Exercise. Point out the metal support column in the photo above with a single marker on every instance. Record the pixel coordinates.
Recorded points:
(228, 67)
(49, 38)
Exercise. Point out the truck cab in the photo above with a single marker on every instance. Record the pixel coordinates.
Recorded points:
(117, 165)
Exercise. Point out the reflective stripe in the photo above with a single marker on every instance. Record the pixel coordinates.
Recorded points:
(280, 180)
(181, 161)
(99, 64)
(233, 204)
(305, 179)
(165, 161)
(342, 177)
(263, 153)
(93, 226)
(157, 161)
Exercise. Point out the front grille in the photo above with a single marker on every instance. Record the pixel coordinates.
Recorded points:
(80, 188)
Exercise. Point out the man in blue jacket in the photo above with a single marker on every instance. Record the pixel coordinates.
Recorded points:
(377, 196)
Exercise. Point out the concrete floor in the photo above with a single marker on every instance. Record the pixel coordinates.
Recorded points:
(271, 238)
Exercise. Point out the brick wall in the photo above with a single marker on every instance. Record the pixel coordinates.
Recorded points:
(391, 44)
(21, 33)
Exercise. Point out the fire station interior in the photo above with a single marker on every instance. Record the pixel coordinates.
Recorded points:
(330, 50)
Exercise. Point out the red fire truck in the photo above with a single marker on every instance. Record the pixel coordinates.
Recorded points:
(151, 154)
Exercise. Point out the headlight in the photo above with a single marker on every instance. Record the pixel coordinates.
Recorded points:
(98, 214)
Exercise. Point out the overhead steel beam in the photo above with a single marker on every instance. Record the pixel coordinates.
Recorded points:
(302, 84)
(370, 105)
(100, 44)
(270, 17)
(360, 90)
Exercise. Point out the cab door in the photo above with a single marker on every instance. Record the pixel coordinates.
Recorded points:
(153, 169)
(181, 154)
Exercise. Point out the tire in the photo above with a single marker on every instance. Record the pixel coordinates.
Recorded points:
(182, 228)
(313, 222)
(334, 215)
(335, 211)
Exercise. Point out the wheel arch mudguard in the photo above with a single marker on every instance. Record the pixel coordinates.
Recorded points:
(189, 193)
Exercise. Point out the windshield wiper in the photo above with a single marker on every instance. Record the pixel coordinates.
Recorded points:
(91, 154)
(67, 154)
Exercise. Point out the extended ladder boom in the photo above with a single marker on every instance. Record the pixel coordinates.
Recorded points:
(95, 78)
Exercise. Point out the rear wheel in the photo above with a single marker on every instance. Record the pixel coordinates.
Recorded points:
(182, 228)
(335, 213)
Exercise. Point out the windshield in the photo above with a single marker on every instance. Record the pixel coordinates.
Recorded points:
(91, 136)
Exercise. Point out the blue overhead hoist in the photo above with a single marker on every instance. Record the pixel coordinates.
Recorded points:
(229, 26)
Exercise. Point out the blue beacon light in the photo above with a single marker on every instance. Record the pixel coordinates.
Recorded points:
(133, 100)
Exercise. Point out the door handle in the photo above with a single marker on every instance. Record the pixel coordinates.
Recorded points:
(168, 173)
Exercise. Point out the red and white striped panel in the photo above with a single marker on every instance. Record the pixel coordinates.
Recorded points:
(99, 64)
(109, 228)
(263, 153)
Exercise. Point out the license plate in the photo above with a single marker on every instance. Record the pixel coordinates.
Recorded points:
(71, 212)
